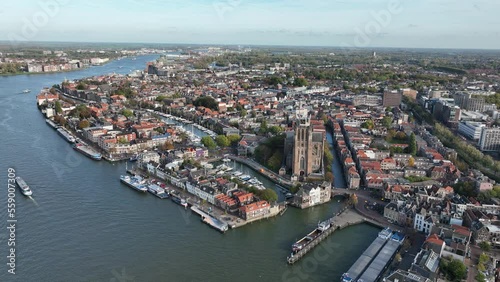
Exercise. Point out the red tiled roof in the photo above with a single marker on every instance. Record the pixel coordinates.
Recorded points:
(434, 239)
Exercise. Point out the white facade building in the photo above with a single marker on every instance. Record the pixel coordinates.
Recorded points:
(471, 130)
(490, 139)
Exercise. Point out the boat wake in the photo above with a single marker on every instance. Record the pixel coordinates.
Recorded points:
(33, 201)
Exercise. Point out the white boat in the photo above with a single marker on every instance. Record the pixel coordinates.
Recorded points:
(245, 177)
(157, 191)
(66, 135)
(25, 189)
(135, 182)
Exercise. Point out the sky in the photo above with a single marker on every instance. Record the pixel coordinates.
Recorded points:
(464, 24)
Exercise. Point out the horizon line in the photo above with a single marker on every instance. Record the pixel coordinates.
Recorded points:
(246, 45)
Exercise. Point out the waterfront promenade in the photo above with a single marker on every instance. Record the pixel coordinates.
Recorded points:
(273, 176)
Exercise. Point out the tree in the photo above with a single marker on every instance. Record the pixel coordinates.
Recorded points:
(353, 199)
(397, 257)
(387, 122)
(275, 161)
(329, 176)
(483, 258)
(411, 161)
(208, 142)
(481, 267)
(81, 86)
(58, 107)
(300, 81)
(83, 124)
(243, 113)
(454, 269)
(263, 127)
(81, 111)
(222, 141)
(269, 195)
(233, 138)
(412, 147)
(168, 145)
(485, 246)
(400, 135)
(60, 120)
(207, 102)
(274, 80)
(368, 124)
(480, 277)
(275, 129)
(467, 189)
(127, 113)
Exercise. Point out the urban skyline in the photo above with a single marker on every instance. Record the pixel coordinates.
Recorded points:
(361, 23)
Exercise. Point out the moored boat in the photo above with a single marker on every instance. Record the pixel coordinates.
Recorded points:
(25, 189)
(180, 201)
(300, 244)
(51, 123)
(66, 135)
(87, 151)
(157, 191)
(135, 182)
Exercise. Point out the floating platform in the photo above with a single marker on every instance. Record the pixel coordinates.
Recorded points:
(210, 220)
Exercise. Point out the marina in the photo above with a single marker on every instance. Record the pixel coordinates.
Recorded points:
(23, 186)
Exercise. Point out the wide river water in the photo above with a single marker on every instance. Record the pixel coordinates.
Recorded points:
(82, 224)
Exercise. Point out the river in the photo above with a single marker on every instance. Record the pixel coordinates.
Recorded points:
(84, 225)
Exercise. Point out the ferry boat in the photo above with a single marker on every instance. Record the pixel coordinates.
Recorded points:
(87, 151)
(134, 182)
(66, 135)
(51, 123)
(180, 201)
(157, 191)
(25, 189)
(300, 244)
